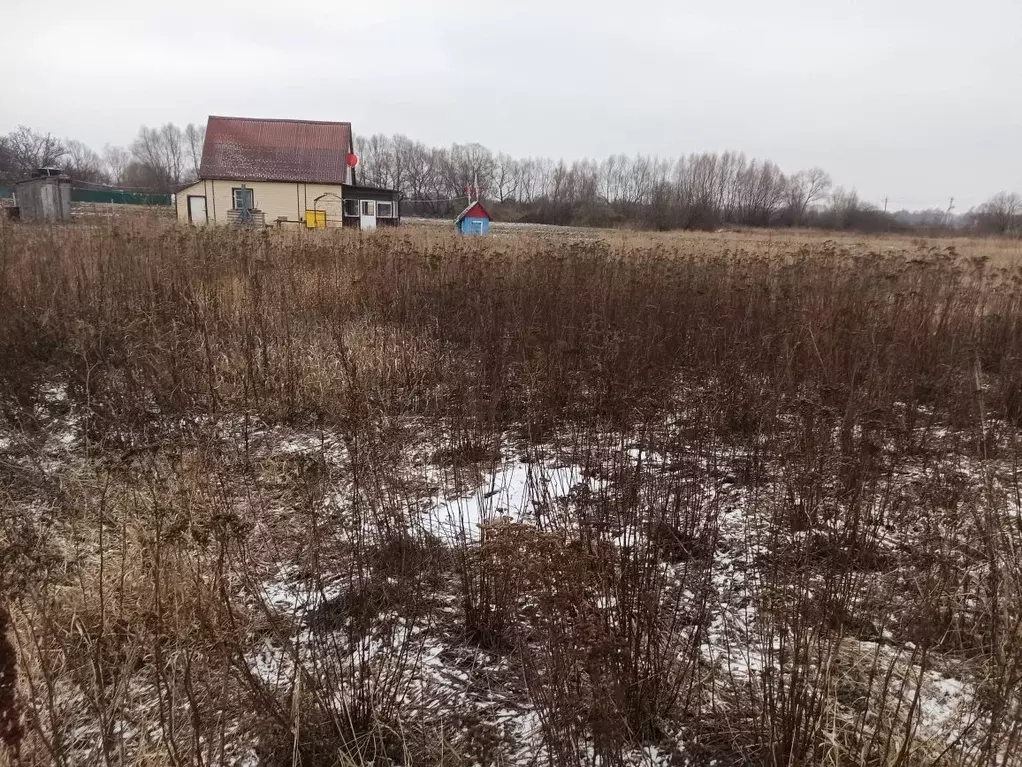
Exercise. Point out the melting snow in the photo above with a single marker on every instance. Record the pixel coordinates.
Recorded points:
(519, 491)
(287, 594)
(943, 704)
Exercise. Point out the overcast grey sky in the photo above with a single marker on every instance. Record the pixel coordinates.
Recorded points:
(915, 99)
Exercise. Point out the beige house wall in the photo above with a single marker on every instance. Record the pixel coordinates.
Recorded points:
(276, 199)
(181, 199)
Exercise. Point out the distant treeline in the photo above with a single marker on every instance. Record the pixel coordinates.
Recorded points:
(699, 191)
(157, 162)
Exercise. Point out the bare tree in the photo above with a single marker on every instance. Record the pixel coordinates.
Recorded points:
(1001, 214)
(613, 171)
(376, 159)
(138, 175)
(420, 177)
(806, 188)
(147, 150)
(174, 148)
(469, 164)
(162, 150)
(195, 138)
(505, 178)
(25, 150)
(844, 205)
(117, 159)
(7, 164)
(403, 152)
(84, 164)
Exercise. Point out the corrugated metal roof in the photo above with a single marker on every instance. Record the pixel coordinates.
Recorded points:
(248, 149)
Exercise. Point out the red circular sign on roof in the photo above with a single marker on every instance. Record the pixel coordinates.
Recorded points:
(352, 160)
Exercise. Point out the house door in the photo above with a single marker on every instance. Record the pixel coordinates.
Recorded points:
(368, 218)
(197, 210)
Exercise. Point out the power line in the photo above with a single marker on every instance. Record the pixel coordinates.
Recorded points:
(436, 199)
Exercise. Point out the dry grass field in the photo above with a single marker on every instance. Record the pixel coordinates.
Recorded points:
(542, 498)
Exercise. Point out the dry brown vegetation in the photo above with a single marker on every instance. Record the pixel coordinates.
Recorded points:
(333, 499)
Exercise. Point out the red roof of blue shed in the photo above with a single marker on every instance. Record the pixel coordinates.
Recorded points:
(475, 210)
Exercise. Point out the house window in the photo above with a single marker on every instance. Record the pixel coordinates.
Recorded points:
(368, 207)
(385, 209)
(243, 199)
(351, 207)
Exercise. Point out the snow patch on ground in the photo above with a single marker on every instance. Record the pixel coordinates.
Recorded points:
(291, 595)
(944, 706)
(443, 674)
(521, 492)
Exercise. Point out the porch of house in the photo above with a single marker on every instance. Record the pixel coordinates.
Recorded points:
(366, 207)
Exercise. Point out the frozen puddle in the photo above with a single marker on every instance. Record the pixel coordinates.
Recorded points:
(520, 492)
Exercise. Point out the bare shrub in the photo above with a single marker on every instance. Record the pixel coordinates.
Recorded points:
(788, 531)
(10, 715)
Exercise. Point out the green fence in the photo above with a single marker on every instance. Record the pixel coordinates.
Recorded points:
(119, 197)
(108, 196)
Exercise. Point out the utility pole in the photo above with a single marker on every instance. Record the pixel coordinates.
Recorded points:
(885, 204)
(947, 216)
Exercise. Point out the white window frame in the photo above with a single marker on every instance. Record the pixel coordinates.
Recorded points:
(234, 197)
(390, 209)
(368, 208)
(349, 212)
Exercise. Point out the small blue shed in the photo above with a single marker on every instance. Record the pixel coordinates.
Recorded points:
(473, 220)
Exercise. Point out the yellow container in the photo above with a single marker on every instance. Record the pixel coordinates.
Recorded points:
(315, 219)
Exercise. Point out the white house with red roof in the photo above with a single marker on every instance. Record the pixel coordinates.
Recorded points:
(282, 173)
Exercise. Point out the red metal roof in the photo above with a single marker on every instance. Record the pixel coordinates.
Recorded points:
(474, 210)
(248, 149)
